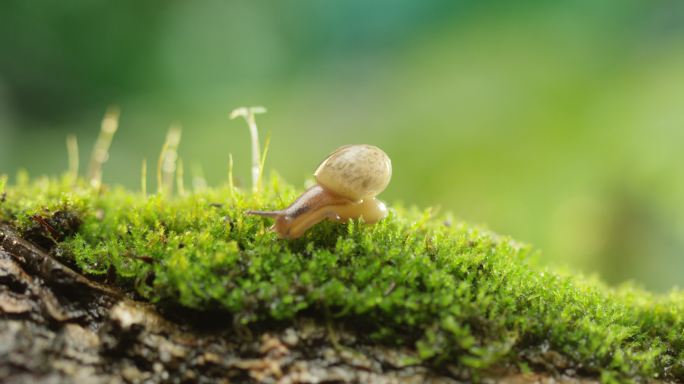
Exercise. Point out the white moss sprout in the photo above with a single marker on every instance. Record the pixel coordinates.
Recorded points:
(166, 164)
(248, 113)
(72, 153)
(100, 154)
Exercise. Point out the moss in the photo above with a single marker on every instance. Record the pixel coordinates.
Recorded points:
(457, 293)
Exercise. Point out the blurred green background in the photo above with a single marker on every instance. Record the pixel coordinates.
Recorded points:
(558, 123)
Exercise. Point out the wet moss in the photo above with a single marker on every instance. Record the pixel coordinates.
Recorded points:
(456, 293)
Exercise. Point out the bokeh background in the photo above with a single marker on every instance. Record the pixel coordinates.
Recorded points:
(558, 123)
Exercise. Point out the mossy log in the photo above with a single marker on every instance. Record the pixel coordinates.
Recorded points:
(58, 326)
(108, 285)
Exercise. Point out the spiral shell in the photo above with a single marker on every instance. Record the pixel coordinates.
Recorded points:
(356, 172)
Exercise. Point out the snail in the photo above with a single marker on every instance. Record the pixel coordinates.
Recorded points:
(347, 182)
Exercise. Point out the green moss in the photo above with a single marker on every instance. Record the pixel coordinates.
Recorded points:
(458, 293)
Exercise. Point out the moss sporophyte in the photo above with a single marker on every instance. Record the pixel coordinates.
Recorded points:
(454, 293)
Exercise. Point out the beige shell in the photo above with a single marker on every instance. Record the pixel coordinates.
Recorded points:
(355, 171)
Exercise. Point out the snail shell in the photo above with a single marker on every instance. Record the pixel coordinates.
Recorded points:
(356, 172)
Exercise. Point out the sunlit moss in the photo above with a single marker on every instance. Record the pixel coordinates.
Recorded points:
(456, 293)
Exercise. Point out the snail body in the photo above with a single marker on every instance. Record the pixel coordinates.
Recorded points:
(347, 182)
